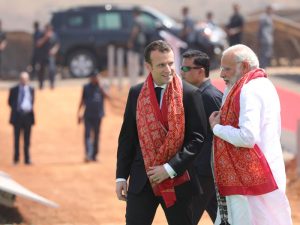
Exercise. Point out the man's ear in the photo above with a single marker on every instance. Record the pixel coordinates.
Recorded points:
(245, 67)
(148, 66)
(202, 71)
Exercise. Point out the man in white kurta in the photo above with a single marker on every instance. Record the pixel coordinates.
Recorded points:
(259, 124)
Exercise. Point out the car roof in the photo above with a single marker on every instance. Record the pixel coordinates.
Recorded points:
(168, 21)
(106, 7)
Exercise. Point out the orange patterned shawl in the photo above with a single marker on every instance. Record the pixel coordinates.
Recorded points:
(239, 170)
(161, 132)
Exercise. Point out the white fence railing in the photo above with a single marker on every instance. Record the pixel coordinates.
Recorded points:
(119, 67)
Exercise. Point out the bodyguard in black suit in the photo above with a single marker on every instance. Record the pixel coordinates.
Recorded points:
(142, 201)
(195, 70)
(21, 99)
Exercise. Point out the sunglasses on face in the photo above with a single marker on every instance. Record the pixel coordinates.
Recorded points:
(188, 68)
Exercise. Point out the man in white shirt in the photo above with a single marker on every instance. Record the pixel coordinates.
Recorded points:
(21, 99)
(248, 163)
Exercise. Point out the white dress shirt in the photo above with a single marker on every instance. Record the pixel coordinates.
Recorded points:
(26, 104)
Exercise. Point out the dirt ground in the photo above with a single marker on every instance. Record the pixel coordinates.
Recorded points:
(84, 191)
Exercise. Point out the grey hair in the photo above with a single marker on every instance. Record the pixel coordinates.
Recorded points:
(243, 53)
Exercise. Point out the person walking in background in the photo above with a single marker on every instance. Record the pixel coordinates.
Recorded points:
(92, 101)
(266, 37)
(248, 162)
(3, 44)
(235, 26)
(21, 100)
(195, 70)
(163, 130)
(48, 47)
(138, 37)
(37, 34)
(209, 19)
(187, 33)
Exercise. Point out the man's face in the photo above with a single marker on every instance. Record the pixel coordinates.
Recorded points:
(162, 67)
(24, 78)
(230, 70)
(193, 74)
(94, 79)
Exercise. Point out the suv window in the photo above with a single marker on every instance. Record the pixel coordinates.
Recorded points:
(149, 21)
(107, 21)
(75, 21)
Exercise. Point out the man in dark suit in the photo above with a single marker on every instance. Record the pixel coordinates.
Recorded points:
(21, 99)
(163, 130)
(195, 70)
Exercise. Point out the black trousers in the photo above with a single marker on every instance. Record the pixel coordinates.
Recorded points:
(23, 125)
(206, 201)
(50, 66)
(141, 207)
(91, 137)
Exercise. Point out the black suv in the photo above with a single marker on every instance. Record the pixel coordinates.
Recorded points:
(86, 32)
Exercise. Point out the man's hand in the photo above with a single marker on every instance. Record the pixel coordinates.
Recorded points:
(214, 119)
(157, 174)
(121, 190)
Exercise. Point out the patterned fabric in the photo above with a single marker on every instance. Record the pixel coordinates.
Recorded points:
(161, 132)
(240, 170)
(222, 204)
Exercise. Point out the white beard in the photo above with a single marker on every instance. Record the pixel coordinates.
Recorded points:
(235, 78)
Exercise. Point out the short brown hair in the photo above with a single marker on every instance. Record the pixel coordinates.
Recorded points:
(159, 45)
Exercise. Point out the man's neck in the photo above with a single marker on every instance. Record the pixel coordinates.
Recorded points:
(202, 82)
(162, 86)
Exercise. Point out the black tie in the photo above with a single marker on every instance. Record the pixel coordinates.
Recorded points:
(158, 93)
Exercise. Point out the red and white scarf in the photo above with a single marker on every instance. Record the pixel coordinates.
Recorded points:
(239, 170)
(161, 132)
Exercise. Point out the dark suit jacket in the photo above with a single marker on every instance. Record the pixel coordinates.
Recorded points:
(129, 158)
(13, 103)
(212, 99)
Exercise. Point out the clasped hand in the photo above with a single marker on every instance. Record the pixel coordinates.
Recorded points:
(157, 174)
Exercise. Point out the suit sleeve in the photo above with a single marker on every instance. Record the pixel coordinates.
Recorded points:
(195, 132)
(33, 96)
(10, 98)
(126, 142)
(212, 102)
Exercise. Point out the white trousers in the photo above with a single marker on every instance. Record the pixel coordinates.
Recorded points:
(268, 209)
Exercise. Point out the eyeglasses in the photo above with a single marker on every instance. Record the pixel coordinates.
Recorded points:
(188, 68)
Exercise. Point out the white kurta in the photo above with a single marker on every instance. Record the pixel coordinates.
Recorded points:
(259, 123)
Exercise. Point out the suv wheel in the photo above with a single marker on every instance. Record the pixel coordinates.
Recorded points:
(81, 63)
